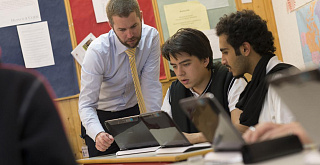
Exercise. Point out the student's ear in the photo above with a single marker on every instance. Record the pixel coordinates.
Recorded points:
(245, 48)
(206, 61)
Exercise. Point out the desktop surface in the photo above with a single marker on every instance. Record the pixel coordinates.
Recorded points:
(143, 157)
(306, 157)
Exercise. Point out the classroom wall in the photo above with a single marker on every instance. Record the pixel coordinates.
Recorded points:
(68, 109)
(288, 34)
(264, 9)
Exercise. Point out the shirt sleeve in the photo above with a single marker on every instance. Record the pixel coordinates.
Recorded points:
(91, 79)
(273, 109)
(281, 111)
(150, 84)
(235, 91)
(166, 104)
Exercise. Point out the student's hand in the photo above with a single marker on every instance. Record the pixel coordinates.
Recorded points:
(103, 141)
(265, 131)
(195, 137)
(254, 134)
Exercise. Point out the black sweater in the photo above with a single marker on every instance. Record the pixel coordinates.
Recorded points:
(220, 85)
(31, 129)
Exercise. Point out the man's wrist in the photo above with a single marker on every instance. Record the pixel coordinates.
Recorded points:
(98, 135)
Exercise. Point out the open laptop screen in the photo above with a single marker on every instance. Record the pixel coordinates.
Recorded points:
(301, 92)
(163, 128)
(127, 133)
(210, 118)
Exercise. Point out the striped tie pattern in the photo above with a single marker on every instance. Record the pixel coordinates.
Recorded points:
(132, 60)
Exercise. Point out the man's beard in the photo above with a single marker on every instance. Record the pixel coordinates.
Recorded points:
(135, 45)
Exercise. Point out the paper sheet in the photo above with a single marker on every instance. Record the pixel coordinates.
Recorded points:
(14, 12)
(295, 4)
(79, 52)
(186, 15)
(223, 157)
(312, 157)
(100, 12)
(214, 42)
(36, 45)
(213, 4)
(246, 1)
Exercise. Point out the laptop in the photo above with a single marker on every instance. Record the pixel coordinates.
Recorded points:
(131, 134)
(164, 130)
(300, 91)
(149, 132)
(210, 118)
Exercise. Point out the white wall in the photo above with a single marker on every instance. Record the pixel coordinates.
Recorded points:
(288, 34)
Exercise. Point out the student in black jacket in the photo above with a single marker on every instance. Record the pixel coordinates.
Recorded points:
(31, 129)
(191, 57)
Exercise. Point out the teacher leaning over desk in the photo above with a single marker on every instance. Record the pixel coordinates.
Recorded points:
(108, 88)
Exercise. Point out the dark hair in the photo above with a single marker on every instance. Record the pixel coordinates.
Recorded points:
(246, 26)
(190, 41)
(122, 8)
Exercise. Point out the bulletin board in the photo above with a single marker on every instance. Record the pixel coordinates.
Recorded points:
(84, 21)
(213, 16)
(61, 76)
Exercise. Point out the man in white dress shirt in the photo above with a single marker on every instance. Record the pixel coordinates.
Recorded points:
(107, 88)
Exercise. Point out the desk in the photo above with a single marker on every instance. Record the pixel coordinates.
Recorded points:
(293, 159)
(145, 157)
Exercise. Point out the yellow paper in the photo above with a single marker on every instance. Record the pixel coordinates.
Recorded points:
(186, 15)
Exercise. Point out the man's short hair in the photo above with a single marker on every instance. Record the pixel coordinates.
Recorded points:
(190, 41)
(246, 26)
(122, 8)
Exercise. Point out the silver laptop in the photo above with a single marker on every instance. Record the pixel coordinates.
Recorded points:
(209, 117)
(164, 130)
(131, 133)
(301, 93)
(147, 132)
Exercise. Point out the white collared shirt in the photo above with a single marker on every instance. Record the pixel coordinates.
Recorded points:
(106, 80)
(233, 96)
(273, 109)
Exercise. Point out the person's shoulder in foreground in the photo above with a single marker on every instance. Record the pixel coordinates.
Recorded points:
(32, 132)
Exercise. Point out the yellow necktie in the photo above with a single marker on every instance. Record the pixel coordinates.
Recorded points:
(132, 60)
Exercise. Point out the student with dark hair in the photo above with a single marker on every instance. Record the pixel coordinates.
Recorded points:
(31, 129)
(120, 72)
(247, 46)
(190, 55)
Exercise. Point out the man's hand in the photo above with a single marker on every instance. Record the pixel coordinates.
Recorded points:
(103, 141)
